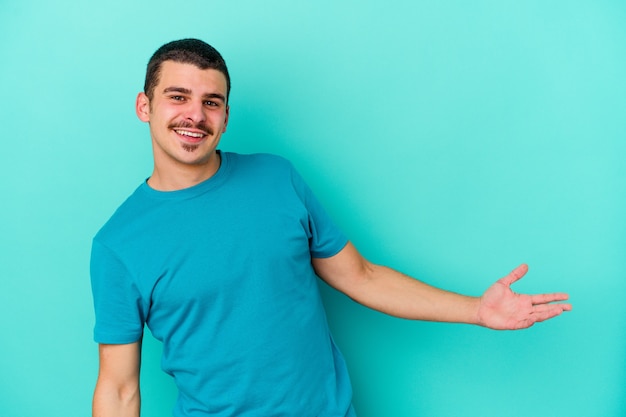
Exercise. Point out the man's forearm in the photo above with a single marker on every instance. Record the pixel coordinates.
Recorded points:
(391, 292)
(394, 293)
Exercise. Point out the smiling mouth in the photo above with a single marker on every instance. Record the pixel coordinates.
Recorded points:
(189, 134)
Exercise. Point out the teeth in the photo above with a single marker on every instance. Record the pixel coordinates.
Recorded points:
(190, 134)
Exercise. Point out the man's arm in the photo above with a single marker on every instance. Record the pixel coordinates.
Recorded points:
(117, 388)
(394, 293)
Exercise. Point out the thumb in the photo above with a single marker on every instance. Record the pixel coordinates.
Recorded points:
(514, 275)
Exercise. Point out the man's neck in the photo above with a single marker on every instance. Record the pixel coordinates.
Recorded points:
(181, 176)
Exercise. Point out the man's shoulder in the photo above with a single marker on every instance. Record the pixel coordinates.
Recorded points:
(123, 215)
(260, 164)
(258, 159)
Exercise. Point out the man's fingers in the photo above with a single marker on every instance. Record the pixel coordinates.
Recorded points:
(545, 312)
(549, 298)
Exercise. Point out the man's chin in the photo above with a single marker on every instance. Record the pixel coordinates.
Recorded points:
(189, 147)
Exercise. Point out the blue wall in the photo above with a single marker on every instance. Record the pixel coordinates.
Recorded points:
(452, 140)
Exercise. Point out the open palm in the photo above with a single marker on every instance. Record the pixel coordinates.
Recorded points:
(502, 309)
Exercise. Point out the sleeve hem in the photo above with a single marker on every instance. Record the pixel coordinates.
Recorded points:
(116, 339)
(330, 252)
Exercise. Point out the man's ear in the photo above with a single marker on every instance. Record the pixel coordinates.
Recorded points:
(142, 107)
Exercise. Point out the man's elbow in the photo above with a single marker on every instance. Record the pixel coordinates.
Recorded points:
(116, 399)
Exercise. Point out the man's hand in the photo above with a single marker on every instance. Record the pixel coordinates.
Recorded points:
(502, 309)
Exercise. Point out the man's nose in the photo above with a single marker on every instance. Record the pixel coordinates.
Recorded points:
(195, 112)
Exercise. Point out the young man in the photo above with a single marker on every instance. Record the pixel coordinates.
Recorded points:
(218, 254)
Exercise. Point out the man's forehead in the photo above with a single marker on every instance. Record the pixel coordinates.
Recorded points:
(191, 77)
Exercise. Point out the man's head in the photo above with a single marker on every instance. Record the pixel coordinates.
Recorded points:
(186, 51)
(185, 102)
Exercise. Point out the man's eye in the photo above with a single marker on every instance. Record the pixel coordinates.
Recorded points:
(177, 98)
(210, 103)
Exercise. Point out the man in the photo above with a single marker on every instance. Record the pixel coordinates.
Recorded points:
(218, 254)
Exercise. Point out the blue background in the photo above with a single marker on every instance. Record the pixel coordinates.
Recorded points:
(452, 140)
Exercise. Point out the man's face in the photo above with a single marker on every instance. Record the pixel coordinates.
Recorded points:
(187, 114)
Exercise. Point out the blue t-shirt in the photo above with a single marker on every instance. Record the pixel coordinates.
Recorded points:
(221, 273)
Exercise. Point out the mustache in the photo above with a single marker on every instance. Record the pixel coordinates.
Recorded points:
(189, 125)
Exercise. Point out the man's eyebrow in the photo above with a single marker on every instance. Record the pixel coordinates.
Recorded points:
(187, 91)
(214, 95)
(177, 90)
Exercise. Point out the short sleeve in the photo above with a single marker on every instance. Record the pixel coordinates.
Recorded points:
(120, 311)
(326, 238)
